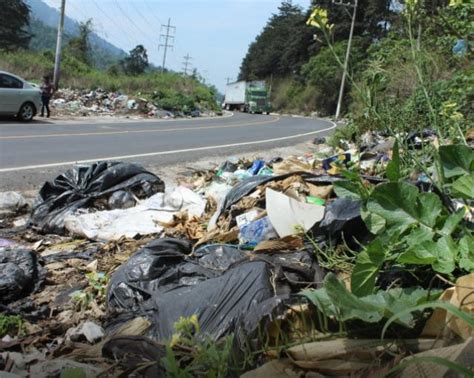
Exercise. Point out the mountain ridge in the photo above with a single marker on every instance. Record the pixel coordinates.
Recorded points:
(43, 26)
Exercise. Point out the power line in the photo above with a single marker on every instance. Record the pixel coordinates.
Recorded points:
(113, 21)
(152, 12)
(186, 63)
(129, 19)
(167, 37)
(142, 16)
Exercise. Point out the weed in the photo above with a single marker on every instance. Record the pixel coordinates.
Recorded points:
(190, 354)
(11, 325)
(95, 290)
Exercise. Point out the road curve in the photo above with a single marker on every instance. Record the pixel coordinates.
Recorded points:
(43, 145)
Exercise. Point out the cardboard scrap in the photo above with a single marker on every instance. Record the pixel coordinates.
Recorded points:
(286, 214)
(460, 296)
(460, 354)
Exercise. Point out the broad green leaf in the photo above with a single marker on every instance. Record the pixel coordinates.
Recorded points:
(375, 223)
(368, 309)
(452, 222)
(402, 206)
(440, 254)
(417, 256)
(456, 160)
(334, 299)
(320, 299)
(393, 168)
(446, 255)
(399, 299)
(466, 253)
(418, 236)
(348, 189)
(464, 187)
(367, 267)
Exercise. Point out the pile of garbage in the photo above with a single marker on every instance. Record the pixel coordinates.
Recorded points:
(98, 102)
(329, 263)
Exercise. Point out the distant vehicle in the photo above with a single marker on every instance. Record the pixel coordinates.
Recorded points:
(18, 97)
(247, 96)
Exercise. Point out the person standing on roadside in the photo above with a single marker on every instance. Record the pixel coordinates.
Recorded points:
(46, 93)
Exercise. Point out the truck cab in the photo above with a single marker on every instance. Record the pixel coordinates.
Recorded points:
(257, 101)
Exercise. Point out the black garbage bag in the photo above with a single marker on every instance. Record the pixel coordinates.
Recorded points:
(343, 220)
(19, 274)
(163, 265)
(219, 303)
(218, 283)
(82, 185)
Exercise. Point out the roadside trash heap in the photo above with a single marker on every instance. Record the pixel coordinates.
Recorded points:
(99, 102)
(330, 263)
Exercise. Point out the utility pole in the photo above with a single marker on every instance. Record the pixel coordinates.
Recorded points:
(348, 53)
(167, 37)
(186, 63)
(57, 59)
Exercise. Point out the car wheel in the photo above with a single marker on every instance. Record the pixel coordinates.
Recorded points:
(26, 113)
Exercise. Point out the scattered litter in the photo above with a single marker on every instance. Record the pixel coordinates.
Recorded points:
(83, 185)
(149, 217)
(87, 331)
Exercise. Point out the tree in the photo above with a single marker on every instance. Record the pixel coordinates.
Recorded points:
(373, 17)
(281, 48)
(79, 47)
(14, 21)
(136, 62)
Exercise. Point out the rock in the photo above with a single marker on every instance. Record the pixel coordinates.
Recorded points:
(88, 330)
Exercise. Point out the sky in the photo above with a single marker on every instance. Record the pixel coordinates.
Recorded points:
(215, 33)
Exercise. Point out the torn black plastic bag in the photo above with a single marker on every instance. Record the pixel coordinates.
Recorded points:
(82, 185)
(343, 221)
(166, 280)
(162, 265)
(19, 274)
(220, 303)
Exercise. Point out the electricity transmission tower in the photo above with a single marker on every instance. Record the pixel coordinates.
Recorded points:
(186, 63)
(170, 30)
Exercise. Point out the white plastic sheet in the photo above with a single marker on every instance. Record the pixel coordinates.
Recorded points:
(145, 218)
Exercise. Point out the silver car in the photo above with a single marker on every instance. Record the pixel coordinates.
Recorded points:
(18, 97)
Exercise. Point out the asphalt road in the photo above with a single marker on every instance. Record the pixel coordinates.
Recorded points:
(38, 146)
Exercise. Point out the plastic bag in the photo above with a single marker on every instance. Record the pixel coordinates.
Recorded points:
(81, 185)
(19, 273)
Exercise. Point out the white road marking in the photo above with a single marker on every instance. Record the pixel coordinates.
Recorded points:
(168, 152)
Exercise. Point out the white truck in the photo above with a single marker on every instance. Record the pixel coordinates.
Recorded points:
(247, 96)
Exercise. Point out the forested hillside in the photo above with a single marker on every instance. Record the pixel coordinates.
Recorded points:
(388, 79)
(43, 28)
